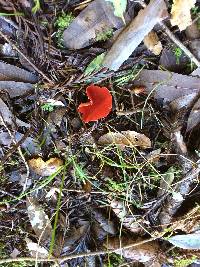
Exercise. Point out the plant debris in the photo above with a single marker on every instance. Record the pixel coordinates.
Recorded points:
(99, 133)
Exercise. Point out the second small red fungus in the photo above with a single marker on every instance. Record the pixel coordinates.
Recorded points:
(99, 106)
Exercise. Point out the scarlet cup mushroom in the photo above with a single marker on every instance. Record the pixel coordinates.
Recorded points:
(99, 106)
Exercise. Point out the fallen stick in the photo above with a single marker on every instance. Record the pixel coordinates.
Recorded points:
(134, 33)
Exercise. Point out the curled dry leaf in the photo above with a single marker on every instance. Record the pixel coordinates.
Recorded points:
(181, 13)
(45, 168)
(146, 253)
(99, 106)
(152, 43)
(125, 138)
(39, 220)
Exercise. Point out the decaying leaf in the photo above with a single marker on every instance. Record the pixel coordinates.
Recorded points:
(15, 89)
(55, 118)
(192, 31)
(134, 33)
(75, 236)
(188, 223)
(119, 7)
(8, 117)
(12, 73)
(167, 85)
(96, 18)
(107, 225)
(181, 13)
(125, 138)
(35, 249)
(134, 223)
(39, 220)
(189, 241)
(147, 253)
(195, 47)
(30, 144)
(194, 117)
(174, 59)
(45, 168)
(166, 181)
(153, 43)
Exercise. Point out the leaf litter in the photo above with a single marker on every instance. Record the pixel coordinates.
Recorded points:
(114, 180)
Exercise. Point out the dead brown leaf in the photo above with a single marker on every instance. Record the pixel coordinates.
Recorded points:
(125, 138)
(147, 253)
(105, 223)
(189, 222)
(153, 43)
(45, 168)
(192, 32)
(167, 85)
(195, 47)
(96, 18)
(8, 117)
(55, 118)
(133, 222)
(12, 73)
(181, 13)
(15, 89)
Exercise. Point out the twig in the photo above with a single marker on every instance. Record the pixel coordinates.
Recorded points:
(22, 54)
(76, 256)
(174, 39)
(181, 45)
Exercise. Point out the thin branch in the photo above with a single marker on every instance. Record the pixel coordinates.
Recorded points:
(76, 256)
(173, 37)
(24, 56)
(179, 44)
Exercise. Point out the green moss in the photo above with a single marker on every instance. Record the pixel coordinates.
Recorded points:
(61, 23)
(105, 35)
(114, 260)
(177, 53)
(184, 262)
